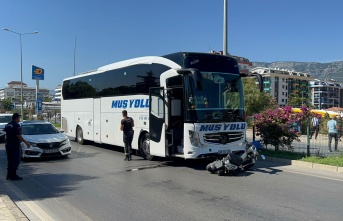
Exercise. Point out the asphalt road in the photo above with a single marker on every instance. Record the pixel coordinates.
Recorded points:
(94, 183)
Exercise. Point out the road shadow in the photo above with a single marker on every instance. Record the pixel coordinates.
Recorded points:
(39, 186)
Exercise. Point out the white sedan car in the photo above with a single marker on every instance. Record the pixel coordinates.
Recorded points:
(4, 119)
(45, 140)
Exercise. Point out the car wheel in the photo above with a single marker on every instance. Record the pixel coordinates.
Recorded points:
(145, 147)
(3, 139)
(79, 135)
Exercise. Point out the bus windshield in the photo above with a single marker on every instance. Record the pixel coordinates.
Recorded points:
(220, 99)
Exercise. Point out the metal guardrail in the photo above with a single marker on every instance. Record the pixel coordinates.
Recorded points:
(317, 147)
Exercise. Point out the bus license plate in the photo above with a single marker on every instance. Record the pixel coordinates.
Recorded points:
(224, 151)
(51, 151)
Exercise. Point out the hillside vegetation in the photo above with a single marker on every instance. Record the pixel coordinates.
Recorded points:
(332, 70)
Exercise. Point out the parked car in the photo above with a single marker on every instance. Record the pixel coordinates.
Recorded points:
(45, 140)
(4, 119)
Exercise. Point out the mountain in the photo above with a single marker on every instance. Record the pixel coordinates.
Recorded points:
(332, 70)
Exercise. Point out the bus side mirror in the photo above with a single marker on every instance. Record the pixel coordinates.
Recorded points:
(198, 80)
(196, 74)
(259, 82)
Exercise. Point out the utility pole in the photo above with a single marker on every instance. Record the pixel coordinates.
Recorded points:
(74, 54)
(225, 50)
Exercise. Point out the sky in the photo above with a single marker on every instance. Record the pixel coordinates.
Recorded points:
(107, 31)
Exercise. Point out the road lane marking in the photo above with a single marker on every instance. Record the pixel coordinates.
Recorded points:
(313, 175)
(78, 151)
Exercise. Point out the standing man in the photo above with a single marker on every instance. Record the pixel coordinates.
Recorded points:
(126, 126)
(332, 129)
(315, 127)
(13, 139)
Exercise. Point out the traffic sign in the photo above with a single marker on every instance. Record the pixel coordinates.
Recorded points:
(37, 73)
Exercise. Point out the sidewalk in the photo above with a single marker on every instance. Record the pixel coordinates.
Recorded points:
(9, 210)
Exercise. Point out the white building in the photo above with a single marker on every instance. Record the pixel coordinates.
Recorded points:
(244, 64)
(13, 91)
(326, 93)
(281, 83)
(58, 94)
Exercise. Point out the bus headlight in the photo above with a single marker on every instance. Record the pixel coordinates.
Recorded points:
(195, 139)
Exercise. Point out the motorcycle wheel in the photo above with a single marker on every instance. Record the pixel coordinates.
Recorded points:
(221, 172)
(209, 168)
(249, 166)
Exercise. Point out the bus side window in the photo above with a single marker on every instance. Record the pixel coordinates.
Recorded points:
(175, 108)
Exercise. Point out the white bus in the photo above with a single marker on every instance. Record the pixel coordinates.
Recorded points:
(188, 105)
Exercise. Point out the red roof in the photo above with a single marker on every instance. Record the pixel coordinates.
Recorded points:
(335, 109)
(16, 82)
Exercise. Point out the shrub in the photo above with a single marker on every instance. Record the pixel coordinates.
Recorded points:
(277, 127)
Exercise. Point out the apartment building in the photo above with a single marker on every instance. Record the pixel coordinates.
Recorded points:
(281, 84)
(58, 94)
(13, 91)
(326, 93)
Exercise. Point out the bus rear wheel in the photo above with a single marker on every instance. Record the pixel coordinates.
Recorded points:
(145, 147)
(79, 135)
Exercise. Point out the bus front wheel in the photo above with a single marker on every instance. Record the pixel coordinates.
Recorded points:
(79, 135)
(145, 147)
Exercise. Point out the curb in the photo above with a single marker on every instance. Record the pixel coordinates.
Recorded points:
(316, 166)
(9, 210)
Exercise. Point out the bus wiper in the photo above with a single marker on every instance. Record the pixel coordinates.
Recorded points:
(232, 114)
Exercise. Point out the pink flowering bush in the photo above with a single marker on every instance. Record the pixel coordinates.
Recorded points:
(276, 126)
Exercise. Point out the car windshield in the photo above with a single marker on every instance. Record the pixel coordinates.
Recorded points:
(5, 119)
(37, 129)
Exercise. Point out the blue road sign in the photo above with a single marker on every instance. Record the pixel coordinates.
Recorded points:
(37, 73)
(39, 106)
(12, 106)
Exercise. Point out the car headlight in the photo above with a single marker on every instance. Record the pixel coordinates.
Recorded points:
(33, 144)
(65, 142)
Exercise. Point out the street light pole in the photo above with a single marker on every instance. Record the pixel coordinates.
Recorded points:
(21, 66)
(225, 29)
(21, 79)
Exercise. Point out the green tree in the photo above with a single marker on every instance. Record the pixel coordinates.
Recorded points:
(256, 101)
(7, 104)
(47, 99)
(298, 101)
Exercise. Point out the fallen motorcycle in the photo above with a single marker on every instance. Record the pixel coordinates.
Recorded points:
(233, 163)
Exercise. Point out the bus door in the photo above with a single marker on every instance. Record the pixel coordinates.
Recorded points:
(157, 106)
(97, 119)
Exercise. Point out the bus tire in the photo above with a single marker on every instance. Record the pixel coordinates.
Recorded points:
(145, 147)
(79, 135)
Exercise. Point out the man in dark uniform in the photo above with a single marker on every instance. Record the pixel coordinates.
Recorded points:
(126, 126)
(13, 139)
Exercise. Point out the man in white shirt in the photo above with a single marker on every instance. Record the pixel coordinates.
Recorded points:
(315, 127)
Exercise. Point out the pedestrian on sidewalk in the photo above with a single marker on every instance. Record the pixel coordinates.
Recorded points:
(332, 130)
(126, 126)
(314, 126)
(13, 139)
